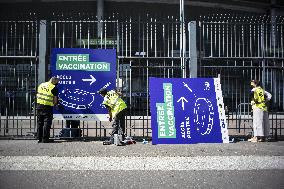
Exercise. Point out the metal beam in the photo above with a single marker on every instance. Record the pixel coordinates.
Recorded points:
(192, 49)
(100, 16)
(42, 67)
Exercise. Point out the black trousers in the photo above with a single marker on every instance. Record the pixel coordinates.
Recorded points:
(44, 121)
(119, 124)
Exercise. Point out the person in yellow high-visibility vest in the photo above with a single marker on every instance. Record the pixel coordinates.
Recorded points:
(259, 100)
(46, 98)
(116, 109)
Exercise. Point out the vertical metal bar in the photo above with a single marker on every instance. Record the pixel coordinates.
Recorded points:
(243, 41)
(192, 49)
(42, 52)
(262, 53)
(231, 31)
(31, 38)
(259, 41)
(88, 35)
(282, 40)
(130, 38)
(63, 35)
(168, 39)
(55, 33)
(211, 40)
(215, 41)
(278, 42)
(235, 36)
(227, 35)
(126, 39)
(219, 39)
(223, 40)
(250, 42)
(105, 32)
(176, 36)
(122, 40)
(147, 68)
(203, 38)
(80, 34)
(100, 15)
(266, 41)
(7, 26)
(155, 37)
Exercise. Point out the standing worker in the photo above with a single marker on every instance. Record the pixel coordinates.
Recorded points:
(259, 100)
(116, 109)
(47, 97)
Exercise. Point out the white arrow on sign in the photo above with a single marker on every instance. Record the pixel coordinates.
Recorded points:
(92, 79)
(182, 99)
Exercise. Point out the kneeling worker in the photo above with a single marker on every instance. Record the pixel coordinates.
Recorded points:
(46, 98)
(116, 109)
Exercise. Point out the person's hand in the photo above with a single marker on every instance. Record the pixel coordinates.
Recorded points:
(58, 107)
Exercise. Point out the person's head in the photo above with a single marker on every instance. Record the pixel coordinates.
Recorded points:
(54, 80)
(254, 83)
(102, 91)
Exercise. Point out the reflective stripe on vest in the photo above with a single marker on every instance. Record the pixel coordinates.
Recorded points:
(259, 98)
(44, 95)
(113, 100)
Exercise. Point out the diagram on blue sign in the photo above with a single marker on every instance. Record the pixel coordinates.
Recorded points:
(203, 112)
(76, 98)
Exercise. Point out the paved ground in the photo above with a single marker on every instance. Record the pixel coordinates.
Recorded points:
(26, 164)
(95, 148)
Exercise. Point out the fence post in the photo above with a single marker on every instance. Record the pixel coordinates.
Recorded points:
(100, 15)
(192, 49)
(42, 67)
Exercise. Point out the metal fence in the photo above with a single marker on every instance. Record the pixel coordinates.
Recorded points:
(144, 48)
(237, 48)
(242, 48)
(18, 76)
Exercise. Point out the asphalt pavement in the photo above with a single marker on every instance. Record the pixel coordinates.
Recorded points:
(65, 164)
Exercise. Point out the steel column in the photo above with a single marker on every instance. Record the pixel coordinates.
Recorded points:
(42, 68)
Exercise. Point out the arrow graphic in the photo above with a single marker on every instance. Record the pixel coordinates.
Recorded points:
(182, 99)
(92, 79)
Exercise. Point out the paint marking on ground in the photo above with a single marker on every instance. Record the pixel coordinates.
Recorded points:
(141, 163)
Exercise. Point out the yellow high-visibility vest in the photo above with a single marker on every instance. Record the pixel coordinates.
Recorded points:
(44, 95)
(113, 100)
(259, 98)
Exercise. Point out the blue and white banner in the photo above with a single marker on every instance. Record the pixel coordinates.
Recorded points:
(187, 111)
(82, 73)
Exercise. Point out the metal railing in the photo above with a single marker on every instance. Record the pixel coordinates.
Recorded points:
(237, 49)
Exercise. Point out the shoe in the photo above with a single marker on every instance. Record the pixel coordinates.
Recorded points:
(107, 142)
(251, 139)
(47, 141)
(40, 141)
(263, 140)
(254, 139)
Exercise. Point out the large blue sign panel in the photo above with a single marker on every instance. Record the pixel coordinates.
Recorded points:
(82, 73)
(187, 111)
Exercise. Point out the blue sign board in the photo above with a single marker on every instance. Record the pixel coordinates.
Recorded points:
(187, 111)
(82, 73)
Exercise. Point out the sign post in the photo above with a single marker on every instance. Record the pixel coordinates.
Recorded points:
(187, 111)
(82, 73)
